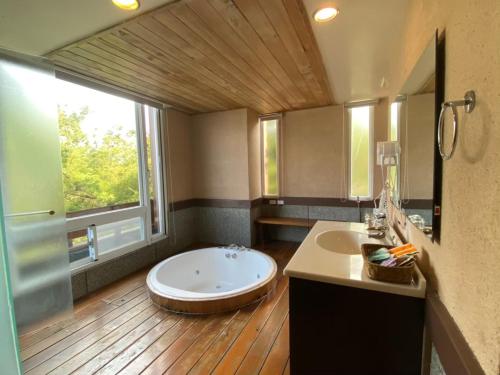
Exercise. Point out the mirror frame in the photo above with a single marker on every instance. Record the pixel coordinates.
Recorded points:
(438, 162)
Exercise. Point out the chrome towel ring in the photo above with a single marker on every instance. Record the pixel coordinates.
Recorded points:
(469, 103)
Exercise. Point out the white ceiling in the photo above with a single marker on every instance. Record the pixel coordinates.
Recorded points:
(40, 26)
(360, 46)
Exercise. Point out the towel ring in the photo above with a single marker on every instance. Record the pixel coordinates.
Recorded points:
(469, 103)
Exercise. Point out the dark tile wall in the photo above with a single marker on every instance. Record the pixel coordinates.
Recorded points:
(334, 213)
(218, 225)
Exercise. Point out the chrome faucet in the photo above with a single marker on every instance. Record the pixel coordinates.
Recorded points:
(378, 233)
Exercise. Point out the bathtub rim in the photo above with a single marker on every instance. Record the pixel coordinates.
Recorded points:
(220, 296)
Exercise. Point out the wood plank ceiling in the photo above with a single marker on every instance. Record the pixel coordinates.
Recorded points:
(210, 55)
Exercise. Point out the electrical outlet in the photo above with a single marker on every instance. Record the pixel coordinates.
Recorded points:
(281, 202)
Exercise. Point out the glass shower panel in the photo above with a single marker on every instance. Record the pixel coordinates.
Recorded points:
(32, 196)
(9, 349)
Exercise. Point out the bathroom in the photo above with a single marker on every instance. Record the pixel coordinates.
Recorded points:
(202, 187)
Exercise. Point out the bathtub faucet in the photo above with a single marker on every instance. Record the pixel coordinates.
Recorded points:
(237, 247)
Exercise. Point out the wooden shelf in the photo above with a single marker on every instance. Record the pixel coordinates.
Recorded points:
(293, 222)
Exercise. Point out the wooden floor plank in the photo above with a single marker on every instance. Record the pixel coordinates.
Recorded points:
(118, 330)
(82, 320)
(130, 346)
(223, 342)
(158, 336)
(187, 360)
(235, 355)
(80, 345)
(151, 313)
(277, 358)
(166, 359)
(257, 354)
(287, 368)
(174, 351)
(60, 344)
(82, 313)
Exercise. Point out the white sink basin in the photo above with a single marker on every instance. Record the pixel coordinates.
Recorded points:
(343, 241)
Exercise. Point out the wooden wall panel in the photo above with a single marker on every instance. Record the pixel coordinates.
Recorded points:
(210, 55)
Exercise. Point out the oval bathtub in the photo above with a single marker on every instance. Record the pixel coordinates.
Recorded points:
(211, 280)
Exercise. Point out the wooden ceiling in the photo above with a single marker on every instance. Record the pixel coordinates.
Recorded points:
(210, 55)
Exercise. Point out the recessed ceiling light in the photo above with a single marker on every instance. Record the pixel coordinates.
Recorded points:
(325, 14)
(126, 4)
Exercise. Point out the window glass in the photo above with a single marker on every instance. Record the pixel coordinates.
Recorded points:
(78, 245)
(112, 172)
(394, 121)
(394, 136)
(360, 152)
(270, 131)
(153, 165)
(99, 149)
(118, 234)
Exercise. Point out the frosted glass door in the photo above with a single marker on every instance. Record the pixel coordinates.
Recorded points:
(9, 352)
(31, 183)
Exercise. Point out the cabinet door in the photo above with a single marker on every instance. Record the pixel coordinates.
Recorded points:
(31, 185)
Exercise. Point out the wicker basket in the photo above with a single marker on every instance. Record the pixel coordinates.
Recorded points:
(400, 275)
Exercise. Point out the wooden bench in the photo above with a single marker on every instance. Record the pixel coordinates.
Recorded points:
(283, 221)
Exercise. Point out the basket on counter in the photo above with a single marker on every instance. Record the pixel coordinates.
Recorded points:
(399, 275)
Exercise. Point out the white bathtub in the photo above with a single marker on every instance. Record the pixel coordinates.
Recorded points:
(211, 280)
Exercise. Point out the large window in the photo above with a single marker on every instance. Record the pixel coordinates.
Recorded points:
(361, 152)
(270, 131)
(112, 172)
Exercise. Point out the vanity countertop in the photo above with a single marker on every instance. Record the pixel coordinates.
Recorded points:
(312, 262)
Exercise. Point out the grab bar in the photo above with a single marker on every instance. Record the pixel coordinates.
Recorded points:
(49, 212)
(469, 103)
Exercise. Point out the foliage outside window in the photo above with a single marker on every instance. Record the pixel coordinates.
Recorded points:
(99, 152)
(112, 170)
(361, 149)
(270, 156)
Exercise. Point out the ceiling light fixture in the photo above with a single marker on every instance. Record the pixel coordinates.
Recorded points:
(325, 14)
(126, 4)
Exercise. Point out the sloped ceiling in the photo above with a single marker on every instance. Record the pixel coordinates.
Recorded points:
(361, 46)
(204, 56)
(209, 55)
(39, 26)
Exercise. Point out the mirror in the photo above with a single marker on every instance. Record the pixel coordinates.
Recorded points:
(413, 124)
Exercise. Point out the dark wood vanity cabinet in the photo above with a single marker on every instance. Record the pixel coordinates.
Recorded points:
(340, 330)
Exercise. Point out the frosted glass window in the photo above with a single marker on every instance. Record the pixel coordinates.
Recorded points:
(361, 149)
(270, 157)
(119, 234)
(32, 190)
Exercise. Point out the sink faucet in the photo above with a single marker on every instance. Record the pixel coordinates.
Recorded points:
(379, 233)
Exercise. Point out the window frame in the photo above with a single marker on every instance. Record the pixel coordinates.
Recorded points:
(399, 106)
(371, 152)
(279, 118)
(142, 211)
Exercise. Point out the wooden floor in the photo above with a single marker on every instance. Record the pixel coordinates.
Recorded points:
(118, 330)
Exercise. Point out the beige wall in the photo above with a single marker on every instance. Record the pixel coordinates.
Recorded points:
(220, 151)
(254, 160)
(464, 268)
(179, 147)
(312, 151)
(312, 144)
